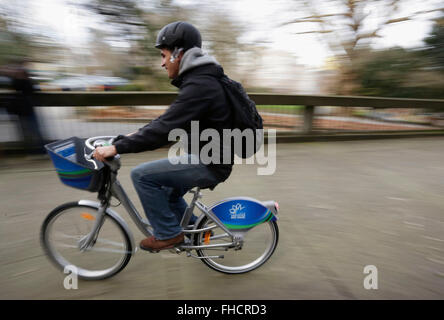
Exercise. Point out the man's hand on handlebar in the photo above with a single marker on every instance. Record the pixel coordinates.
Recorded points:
(101, 153)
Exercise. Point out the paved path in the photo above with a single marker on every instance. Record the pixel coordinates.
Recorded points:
(344, 205)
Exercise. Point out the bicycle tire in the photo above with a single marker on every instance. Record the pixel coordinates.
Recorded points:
(247, 267)
(62, 262)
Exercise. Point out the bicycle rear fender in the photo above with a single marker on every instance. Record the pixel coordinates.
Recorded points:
(116, 216)
(240, 213)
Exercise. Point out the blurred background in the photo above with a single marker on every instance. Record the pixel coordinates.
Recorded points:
(322, 69)
(381, 48)
(286, 46)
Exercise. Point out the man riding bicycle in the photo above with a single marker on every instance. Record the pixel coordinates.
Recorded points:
(161, 184)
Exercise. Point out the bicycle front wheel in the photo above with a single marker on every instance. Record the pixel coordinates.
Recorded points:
(259, 244)
(64, 229)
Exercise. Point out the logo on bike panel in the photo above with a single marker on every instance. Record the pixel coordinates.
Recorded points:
(236, 213)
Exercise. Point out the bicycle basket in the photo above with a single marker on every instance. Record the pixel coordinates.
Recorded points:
(72, 167)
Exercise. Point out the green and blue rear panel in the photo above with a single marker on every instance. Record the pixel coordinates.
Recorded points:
(242, 213)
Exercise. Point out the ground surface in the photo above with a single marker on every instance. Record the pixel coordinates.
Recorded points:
(344, 205)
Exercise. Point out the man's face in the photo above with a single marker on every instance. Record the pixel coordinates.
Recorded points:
(172, 68)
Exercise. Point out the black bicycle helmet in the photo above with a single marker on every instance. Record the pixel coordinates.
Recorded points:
(179, 34)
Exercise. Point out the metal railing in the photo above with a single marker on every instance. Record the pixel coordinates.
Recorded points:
(64, 114)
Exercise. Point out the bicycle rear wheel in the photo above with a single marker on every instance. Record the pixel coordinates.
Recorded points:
(259, 244)
(65, 227)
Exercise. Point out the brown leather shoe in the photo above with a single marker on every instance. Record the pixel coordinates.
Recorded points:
(153, 245)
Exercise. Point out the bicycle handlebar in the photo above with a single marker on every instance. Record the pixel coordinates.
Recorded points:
(93, 142)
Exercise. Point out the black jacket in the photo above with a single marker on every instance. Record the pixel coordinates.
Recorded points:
(201, 97)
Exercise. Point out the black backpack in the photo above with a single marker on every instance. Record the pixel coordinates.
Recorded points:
(245, 114)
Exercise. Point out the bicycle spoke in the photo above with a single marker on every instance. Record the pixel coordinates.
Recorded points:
(258, 245)
(93, 249)
(66, 227)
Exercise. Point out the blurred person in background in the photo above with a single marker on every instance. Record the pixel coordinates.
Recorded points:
(161, 184)
(22, 105)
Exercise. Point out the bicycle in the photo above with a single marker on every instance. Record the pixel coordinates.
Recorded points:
(96, 240)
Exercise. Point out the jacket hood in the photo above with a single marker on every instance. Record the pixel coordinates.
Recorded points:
(193, 58)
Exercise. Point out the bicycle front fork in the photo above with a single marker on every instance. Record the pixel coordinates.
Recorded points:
(88, 241)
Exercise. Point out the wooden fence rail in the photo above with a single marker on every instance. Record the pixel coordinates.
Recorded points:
(110, 98)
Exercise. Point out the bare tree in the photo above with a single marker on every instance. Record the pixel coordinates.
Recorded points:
(18, 41)
(221, 39)
(347, 25)
(136, 23)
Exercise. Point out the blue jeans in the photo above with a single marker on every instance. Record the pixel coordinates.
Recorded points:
(161, 186)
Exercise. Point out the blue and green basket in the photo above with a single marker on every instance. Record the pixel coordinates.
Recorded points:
(74, 170)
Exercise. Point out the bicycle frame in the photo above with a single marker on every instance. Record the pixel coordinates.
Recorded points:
(227, 222)
(116, 190)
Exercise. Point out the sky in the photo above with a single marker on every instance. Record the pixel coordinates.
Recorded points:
(262, 17)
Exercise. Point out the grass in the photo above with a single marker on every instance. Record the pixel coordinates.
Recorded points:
(280, 108)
